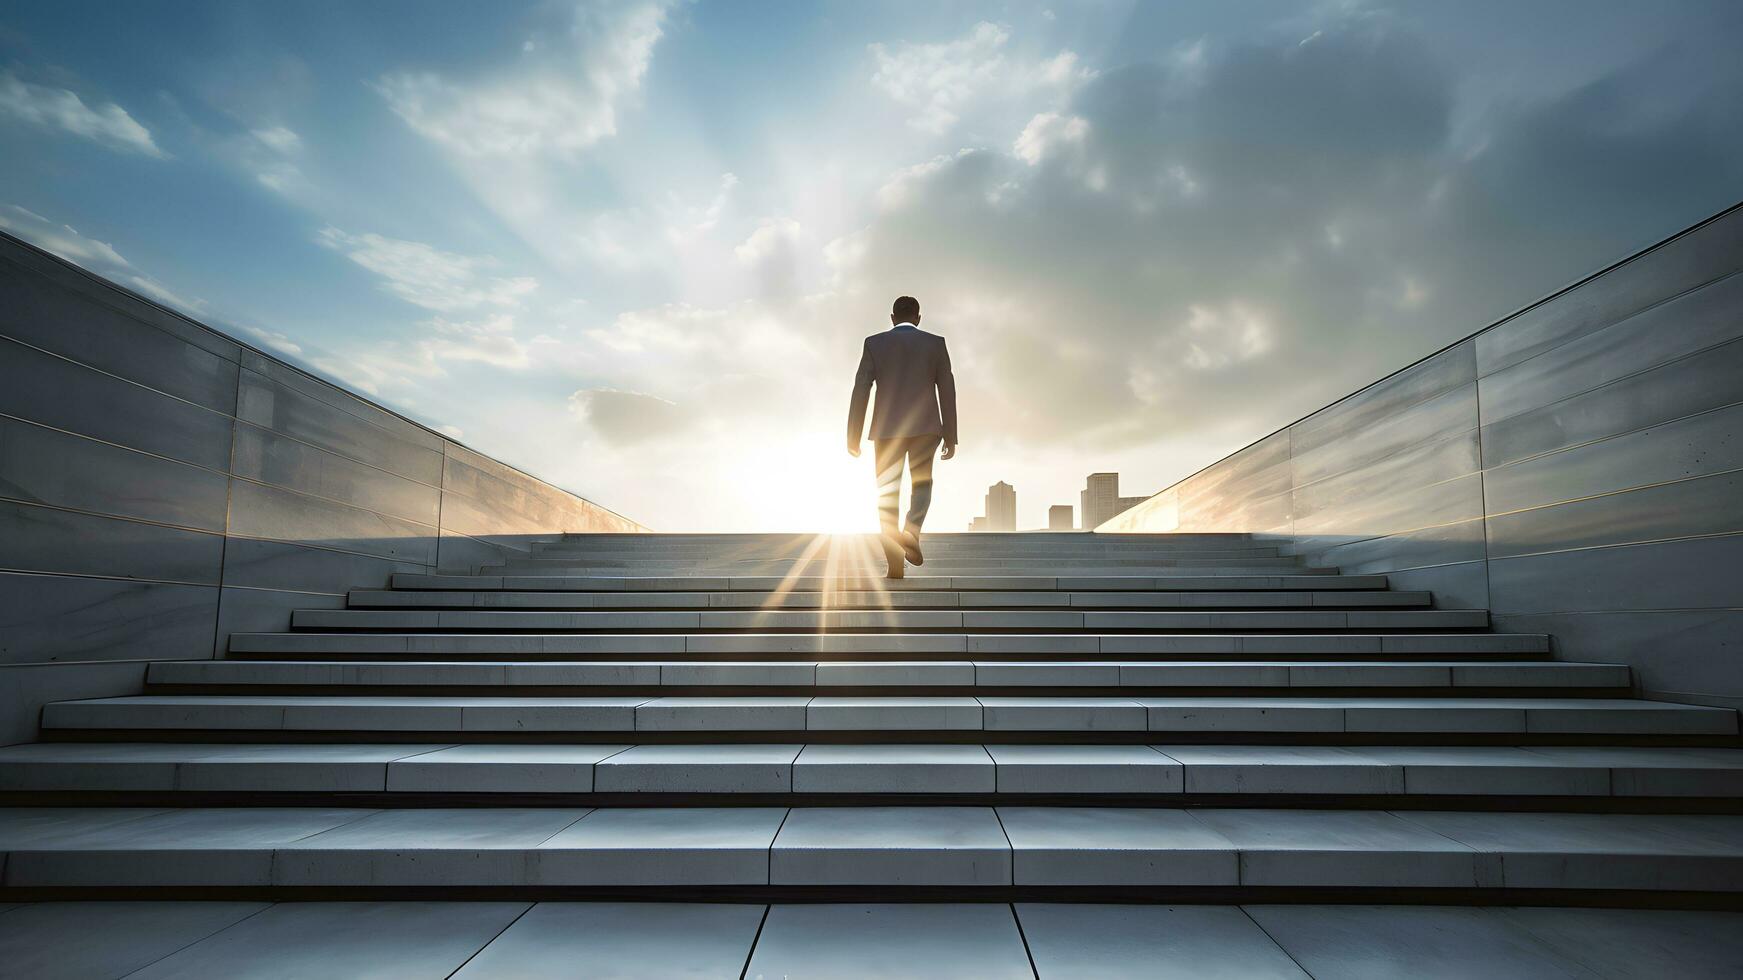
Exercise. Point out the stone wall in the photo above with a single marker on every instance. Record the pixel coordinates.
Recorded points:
(162, 485)
(1576, 467)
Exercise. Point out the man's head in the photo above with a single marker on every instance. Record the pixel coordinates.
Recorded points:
(905, 310)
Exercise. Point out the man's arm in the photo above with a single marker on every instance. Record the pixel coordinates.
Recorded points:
(947, 398)
(862, 385)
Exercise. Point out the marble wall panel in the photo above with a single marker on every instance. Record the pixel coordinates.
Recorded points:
(1421, 548)
(267, 457)
(341, 399)
(1711, 379)
(60, 393)
(1704, 253)
(273, 406)
(1430, 483)
(45, 315)
(259, 511)
(261, 564)
(1692, 573)
(1445, 371)
(1673, 329)
(1448, 412)
(51, 618)
(1707, 505)
(76, 282)
(47, 466)
(1700, 445)
(46, 539)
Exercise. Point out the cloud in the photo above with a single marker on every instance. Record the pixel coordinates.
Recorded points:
(559, 99)
(624, 418)
(427, 276)
(274, 340)
(59, 108)
(1144, 259)
(942, 82)
(488, 341)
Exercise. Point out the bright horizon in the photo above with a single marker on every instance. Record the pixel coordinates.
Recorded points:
(633, 247)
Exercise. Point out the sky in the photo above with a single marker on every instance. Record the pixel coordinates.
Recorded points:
(633, 247)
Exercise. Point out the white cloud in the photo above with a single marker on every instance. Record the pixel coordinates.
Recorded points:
(559, 99)
(1216, 337)
(58, 108)
(772, 238)
(280, 139)
(488, 341)
(942, 82)
(274, 340)
(427, 276)
(156, 290)
(63, 240)
(1047, 130)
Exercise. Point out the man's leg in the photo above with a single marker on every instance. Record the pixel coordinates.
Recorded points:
(889, 454)
(922, 450)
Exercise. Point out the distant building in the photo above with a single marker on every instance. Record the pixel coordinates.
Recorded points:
(1001, 507)
(1059, 518)
(978, 524)
(1101, 500)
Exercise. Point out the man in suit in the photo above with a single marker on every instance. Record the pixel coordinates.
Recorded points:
(916, 410)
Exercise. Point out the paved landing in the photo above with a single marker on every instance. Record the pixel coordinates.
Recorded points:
(491, 940)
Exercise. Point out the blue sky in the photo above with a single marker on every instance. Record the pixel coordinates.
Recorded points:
(632, 246)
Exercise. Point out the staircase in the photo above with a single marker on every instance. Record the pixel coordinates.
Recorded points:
(1043, 716)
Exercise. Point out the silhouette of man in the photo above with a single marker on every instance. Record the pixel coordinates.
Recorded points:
(916, 410)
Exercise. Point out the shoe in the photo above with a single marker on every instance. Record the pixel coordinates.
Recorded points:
(910, 541)
(896, 573)
(893, 551)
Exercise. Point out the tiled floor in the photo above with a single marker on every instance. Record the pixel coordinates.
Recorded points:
(477, 940)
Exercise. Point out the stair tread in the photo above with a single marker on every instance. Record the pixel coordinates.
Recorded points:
(871, 846)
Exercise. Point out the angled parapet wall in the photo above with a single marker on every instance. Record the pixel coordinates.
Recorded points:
(1576, 467)
(162, 485)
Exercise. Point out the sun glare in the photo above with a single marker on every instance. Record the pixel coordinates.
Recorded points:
(793, 487)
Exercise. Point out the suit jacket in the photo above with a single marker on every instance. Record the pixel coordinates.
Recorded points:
(916, 391)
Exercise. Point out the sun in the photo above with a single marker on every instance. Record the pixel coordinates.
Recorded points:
(806, 482)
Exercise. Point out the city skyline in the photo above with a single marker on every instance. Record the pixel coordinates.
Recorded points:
(616, 245)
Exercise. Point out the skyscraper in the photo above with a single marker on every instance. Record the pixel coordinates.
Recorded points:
(1059, 518)
(1101, 500)
(1001, 507)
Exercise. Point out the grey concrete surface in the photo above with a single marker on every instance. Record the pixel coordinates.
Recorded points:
(889, 941)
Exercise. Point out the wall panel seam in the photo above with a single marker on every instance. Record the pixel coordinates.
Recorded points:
(44, 573)
(116, 445)
(110, 374)
(1613, 381)
(100, 298)
(1620, 490)
(111, 517)
(1619, 544)
(1624, 318)
(1614, 435)
(334, 452)
(332, 500)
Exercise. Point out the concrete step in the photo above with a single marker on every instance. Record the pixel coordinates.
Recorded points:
(872, 599)
(941, 770)
(1301, 579)
(1061, 620)
(914, 848)
(728, 714)
(935, 673)
(780, 646)
(1069, 566)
